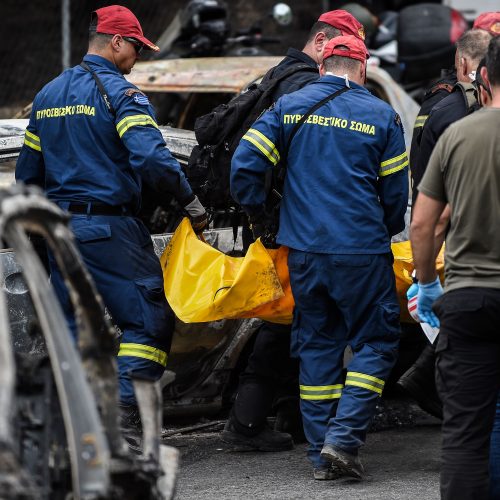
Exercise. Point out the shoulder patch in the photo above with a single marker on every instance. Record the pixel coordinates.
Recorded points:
(141, 99)
(131, 91)
(138, 96)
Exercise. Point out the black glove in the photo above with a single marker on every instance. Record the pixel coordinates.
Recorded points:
(197, 215)
(265, 227)
(199, 223)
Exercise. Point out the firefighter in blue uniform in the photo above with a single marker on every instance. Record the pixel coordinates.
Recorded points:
(91, 142)
(345, 195)
(270, 376)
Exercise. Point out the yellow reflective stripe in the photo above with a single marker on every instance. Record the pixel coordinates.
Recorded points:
(32, 140)
(143, 351)
(420, 121)
(364, 386)
(394, 169)
(319, 392)
(393, 165)
(260, 148)
(320, 387)
(263, 144)
(260, 135)
(367, 377)
(365, 381)
(393, 160)
(133, 121)
(317, 397)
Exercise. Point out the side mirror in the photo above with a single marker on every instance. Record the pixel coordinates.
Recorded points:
(282, 14)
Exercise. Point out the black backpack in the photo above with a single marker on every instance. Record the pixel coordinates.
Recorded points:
(218, 134)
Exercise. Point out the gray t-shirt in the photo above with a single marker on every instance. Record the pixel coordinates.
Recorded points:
(464, 171)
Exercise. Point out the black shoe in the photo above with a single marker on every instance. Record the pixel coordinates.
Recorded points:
(130, 418)
(419, 382)
(265, 440)
(289, 419)
(349, 464)
(131, 427)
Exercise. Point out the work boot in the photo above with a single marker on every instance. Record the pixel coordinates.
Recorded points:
(289, 419)
(349, 464)
(131, 427)
(419, 382)
(265, 440)
(327, 473)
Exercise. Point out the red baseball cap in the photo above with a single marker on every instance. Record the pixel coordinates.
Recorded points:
(488, 21)
(118, 20)
(345, 22)
(356, 49)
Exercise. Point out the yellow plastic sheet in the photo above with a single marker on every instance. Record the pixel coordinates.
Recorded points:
(203, 284)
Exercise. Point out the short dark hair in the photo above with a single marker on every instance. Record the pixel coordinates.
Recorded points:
(99, 40)
(326, 28)
(493, 61)
(339, 63)
(473, 44)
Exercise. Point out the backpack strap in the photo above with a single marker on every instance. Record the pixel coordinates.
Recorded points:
(469, 93)
(100, 86)
(271, 81)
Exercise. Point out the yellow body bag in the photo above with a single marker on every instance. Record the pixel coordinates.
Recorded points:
(203, 284)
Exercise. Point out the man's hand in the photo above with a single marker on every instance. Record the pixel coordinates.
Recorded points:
(428, 293)
(264, 227)
(197, 215)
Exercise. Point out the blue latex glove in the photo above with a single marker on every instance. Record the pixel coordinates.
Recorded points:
(428, 293)
(412, 291)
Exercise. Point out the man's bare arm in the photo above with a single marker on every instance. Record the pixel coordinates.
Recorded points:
(422, 234)
(441, 228)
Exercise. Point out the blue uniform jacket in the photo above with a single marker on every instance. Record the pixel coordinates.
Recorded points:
(346, 187)
(79, 152)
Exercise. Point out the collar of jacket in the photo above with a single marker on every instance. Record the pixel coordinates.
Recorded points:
(338, 80)
(300, 56)
(100, 61)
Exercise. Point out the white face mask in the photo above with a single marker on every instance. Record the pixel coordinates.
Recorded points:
(472, 76)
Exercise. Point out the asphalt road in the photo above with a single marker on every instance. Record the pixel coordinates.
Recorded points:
(401, 464)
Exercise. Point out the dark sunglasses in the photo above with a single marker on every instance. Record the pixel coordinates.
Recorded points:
(138, 46)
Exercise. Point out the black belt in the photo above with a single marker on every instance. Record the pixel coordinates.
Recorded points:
(97, 209)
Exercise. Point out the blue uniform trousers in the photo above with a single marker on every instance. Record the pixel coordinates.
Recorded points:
(119, 255)
(342, 300)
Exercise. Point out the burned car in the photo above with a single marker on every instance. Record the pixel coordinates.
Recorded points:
(200, 84)
(59, 420)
